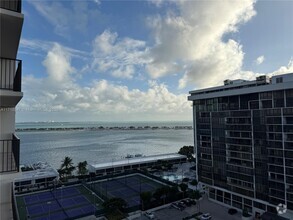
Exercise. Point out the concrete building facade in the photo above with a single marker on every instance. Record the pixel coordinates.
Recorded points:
(243, 138)
(11, 21)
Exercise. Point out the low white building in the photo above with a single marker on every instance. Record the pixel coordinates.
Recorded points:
(135, 163)
(42, 175)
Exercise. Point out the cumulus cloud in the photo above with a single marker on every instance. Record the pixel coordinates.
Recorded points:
(260, 60)
(57, 63)
(189, 40)
(283, 69)
(60, 91)
(119, 57)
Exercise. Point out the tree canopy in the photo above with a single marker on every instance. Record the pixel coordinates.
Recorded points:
(188, 151)
(82, 168)
(114, 204)
(66, 168)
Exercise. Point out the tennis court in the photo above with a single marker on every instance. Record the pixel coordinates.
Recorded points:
(126, 187)
(58, 204)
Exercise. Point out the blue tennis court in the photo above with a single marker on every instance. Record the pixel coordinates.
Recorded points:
(127, 188)
(41, 197)
(73, 201)
(61, 193)
(43, 208)
(58, 204)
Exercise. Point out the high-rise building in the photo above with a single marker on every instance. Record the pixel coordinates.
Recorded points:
(11, 21)
(243, 137)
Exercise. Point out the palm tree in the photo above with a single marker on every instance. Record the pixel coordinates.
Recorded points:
(66, 167)
(81, 168)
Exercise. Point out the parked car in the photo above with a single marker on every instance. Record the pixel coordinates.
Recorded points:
(181, 205)
(187, 202)
(150, 215)
(206, 216)
(177, 206)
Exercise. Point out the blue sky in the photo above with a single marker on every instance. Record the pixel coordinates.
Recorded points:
(137, 60)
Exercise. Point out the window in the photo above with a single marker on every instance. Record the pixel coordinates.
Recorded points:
(279, 80)
(40, 180)
(259, 205)
(279, 98)
(265, 95)
(289, 97)
(247, 202)
(237, 198)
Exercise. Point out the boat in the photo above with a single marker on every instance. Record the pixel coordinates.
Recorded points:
(132, 156)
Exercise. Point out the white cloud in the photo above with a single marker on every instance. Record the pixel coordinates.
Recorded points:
(190, 41)
(74, 15)
(37, 47)
(98, 2)
(60, 92)
(260, 60)
(157, 3)
(57, 63)
(120, 57)
(283, 69)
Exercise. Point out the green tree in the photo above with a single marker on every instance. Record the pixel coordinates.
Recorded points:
(173, 193)
(165, 191)
(195, 194)
(194, 183)
(82, 168)
(146, 198)
(183, 188)
(173, 190)
(158, 193)
(67, 167)
(188, 151)
(114, 204)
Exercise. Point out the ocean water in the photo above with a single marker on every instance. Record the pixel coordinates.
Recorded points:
(97, 146)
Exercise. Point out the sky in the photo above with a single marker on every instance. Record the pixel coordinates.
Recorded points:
(137, 60)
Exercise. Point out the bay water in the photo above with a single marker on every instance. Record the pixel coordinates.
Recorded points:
(98, 145)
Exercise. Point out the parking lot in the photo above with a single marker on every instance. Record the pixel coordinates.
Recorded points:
(217, 212)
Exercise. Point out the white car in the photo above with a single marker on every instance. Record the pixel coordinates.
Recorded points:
(150, 215)
(206, 216)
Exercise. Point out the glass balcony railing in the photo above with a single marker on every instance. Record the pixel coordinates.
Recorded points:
(12, 5)
(10, 74)
(9, 155)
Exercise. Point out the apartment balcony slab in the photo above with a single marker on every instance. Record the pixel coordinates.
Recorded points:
(9, 99)
(10, 31)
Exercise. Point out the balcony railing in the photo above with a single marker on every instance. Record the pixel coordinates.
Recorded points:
(9, 154)
(12, 5)
(10, 74)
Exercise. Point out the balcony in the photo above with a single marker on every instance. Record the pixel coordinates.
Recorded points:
(9, 154)
(10, 74)
(10, 28)
(12, 5)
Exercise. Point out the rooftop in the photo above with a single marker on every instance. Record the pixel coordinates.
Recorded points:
(239, 86)
(136, 160)
(40, 170)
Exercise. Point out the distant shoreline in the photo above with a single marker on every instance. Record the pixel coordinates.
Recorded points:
(108, 128)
